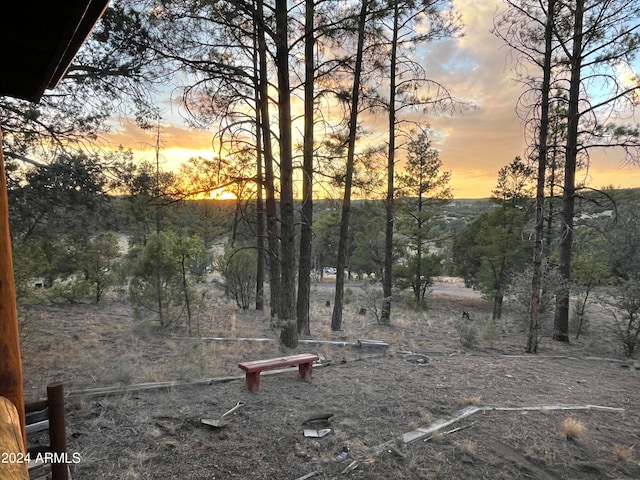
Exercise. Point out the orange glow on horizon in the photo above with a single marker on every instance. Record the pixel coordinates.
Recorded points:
(472, 180)
(222, 194)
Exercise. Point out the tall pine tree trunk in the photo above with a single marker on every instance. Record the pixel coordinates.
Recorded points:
(306, 232)
(387, 280)
(260, 214)
(418, 273)
(538, 248)
(273, 235)
(561, 320)
(260, 218)
(336, 318)
(185, 291)
(287, 307)
(552, 167)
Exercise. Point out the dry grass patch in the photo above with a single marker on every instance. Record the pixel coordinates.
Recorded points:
(572, 428)
(467, 447)
(402, 322)
(543, 449)
(123, 373)
(622, 453)
(155, 372)
(467, 401)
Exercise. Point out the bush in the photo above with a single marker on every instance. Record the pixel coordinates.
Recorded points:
(72, 291)
(579, 322)
(99, 263)
(519, 294)
(404, 276)
(238, 269)
(627, 319)
(156, 283)
(200, 264)
(467, 332)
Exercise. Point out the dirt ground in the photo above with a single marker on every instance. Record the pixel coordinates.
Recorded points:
(374, 399)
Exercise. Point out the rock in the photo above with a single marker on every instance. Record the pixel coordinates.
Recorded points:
(417, 358)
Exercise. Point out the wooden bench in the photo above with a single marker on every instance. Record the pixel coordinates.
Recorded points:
(48, 415)
(253, 369)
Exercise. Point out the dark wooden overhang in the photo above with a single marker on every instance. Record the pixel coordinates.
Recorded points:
(39, 40)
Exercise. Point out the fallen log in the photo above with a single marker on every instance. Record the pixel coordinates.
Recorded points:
(422, 432)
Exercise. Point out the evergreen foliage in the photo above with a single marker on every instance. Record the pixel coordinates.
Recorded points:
(238, 270)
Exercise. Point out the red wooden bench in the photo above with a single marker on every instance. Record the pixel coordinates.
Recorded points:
(253, 369)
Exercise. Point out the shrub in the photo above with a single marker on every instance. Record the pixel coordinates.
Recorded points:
(579, 322)
(123, 373)
(520, 292)
(466, 401)
(72, 291)
(622, 453)
(199, 264)
(238, 269)
(573, 428)
(373, 297)
(467, 332)
(99, 263)
(404, 276)
(627, 323)
(156, 281)
(467, 447)
(348, 295)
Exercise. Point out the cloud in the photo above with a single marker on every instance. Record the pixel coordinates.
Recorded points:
(177, 143)
(131, 136)
(475, 141)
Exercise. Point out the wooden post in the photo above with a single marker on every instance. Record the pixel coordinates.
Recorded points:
(57, 429)
(11, 385)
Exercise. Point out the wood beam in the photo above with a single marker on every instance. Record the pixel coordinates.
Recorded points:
(11, 383)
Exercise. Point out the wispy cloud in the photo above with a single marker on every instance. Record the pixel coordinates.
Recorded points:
(476, 141)
(131, 136)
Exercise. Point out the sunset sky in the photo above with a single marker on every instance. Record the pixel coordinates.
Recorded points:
(473, 143)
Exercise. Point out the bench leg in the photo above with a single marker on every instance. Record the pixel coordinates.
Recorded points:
(305, 371)
(253, 381)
